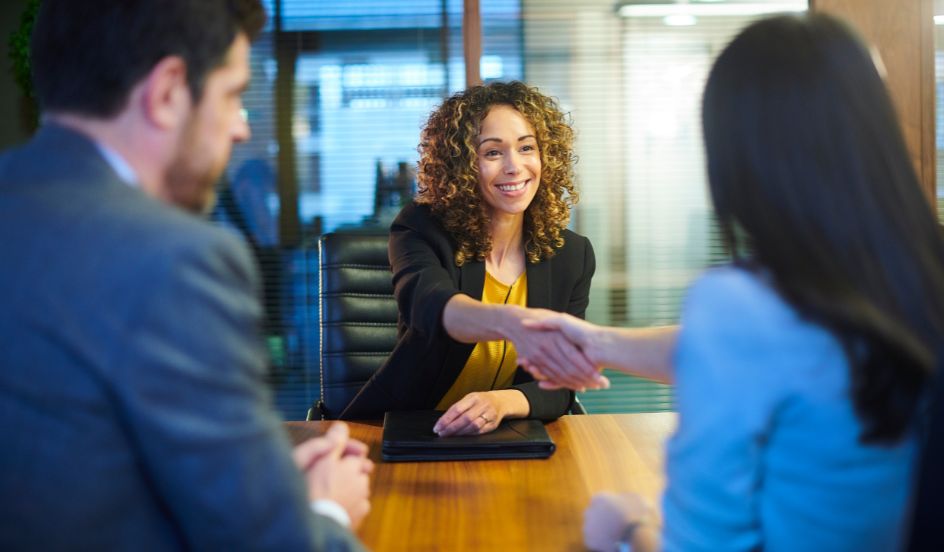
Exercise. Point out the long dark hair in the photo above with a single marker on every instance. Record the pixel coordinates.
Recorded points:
(809, 172)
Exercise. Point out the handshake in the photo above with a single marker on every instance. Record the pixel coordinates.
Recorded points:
(560, 350)
(563, 351)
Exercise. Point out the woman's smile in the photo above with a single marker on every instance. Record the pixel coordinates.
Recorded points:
(509, 161)
(513, 189)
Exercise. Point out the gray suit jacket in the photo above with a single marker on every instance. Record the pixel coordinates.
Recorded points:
(133, 410)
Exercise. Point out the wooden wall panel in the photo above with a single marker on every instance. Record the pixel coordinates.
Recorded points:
(903, 32)
(472, 41)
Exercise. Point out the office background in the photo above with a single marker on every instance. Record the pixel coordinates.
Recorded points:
(340, 91)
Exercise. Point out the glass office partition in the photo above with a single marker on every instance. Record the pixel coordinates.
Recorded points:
(340, 91)
(631, 75)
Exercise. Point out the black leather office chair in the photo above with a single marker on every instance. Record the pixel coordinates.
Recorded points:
(357, 316)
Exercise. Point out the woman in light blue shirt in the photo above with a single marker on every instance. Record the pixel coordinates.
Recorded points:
(800, 368)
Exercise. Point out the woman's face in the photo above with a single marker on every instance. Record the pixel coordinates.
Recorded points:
(509, 161)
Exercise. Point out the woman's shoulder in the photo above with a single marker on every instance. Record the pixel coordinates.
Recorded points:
(418, 217)
(569, 234)
(413, 212)
(737, 318)
(737, 297)
(736, 286)
(416, 223)
(575, 256)
(574, 241)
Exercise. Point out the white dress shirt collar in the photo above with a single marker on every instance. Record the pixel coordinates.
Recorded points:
(118, 164)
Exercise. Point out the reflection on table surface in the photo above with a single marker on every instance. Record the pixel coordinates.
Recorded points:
(509, 504)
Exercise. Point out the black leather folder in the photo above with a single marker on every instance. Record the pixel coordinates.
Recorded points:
(409, 437)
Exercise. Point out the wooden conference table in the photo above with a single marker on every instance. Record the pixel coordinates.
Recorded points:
(509, 504)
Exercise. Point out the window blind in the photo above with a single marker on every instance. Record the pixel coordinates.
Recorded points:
(345, 87)
(631, 76)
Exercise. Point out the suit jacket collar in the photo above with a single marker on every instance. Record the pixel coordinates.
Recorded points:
(472, 279)
(72, 155)
(539, 284)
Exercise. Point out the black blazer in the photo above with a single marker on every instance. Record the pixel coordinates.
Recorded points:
(426, 360)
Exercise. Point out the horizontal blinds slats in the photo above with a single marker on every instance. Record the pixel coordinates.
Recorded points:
(633, 86)
(629, 394)
(366, 75)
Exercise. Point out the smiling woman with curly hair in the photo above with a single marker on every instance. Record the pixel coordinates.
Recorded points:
(485, 238)
(448, 170)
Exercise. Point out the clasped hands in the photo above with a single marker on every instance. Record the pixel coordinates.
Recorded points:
(336, 468)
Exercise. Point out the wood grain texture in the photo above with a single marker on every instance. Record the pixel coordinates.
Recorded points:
(903, 32)
(509, 504)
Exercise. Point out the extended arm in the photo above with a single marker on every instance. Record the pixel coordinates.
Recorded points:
(468, 320)
(471, 321)
(573, 272)
(644, 352)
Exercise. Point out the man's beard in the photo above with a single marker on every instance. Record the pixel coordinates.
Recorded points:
(190, 184)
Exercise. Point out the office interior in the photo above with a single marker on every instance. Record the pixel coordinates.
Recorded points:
(340, 91)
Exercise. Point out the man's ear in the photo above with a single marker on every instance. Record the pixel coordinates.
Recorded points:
(165, 95)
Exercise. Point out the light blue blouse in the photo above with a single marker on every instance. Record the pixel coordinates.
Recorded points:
(766, 455)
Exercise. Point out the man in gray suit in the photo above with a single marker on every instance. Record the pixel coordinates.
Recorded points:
(133, 411)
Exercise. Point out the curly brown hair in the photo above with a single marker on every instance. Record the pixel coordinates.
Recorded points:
(448, 169)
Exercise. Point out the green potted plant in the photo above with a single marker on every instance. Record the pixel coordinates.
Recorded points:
(20, 57)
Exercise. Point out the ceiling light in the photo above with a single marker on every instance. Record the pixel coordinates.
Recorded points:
(697, 10)
(679, 20)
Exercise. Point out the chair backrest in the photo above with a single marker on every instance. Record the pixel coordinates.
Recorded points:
(357, 316)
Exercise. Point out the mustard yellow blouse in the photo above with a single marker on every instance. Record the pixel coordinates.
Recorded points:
(492, 364)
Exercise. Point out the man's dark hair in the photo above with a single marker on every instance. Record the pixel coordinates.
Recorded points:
(87, 55)
(809, 171)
